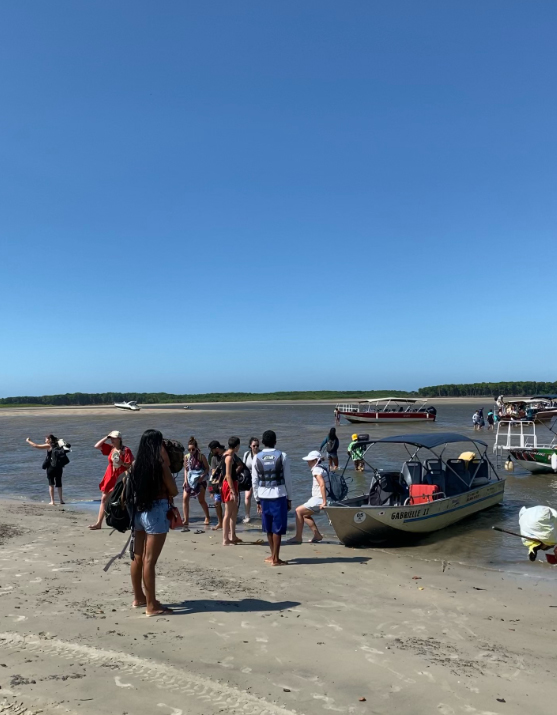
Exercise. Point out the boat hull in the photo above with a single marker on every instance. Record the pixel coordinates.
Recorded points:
(533, 460)
(387, 416)
(369, 525)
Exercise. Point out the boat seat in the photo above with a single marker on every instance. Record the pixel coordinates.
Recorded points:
(435, 473)
(412, 472)
(480, 472)
(456, 477)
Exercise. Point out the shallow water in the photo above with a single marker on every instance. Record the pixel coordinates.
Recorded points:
(300, 428)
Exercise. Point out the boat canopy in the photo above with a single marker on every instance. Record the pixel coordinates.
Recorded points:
(428, 440)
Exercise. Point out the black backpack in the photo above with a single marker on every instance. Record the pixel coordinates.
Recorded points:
(176, 453)
(337, 488)
(330, 446)
(243, 474)
(116, 510)
(59, 458)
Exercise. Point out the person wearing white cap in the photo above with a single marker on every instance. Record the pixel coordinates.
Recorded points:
(318, 500)
(120, 459)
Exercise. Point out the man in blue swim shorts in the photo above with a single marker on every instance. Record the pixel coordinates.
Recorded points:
(272, 488)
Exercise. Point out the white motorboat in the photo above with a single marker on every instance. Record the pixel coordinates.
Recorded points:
(429, 493)
(131, 406)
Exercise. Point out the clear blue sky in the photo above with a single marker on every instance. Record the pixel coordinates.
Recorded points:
(200, 196)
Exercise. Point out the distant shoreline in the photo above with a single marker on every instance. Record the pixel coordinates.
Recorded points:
(34, 411)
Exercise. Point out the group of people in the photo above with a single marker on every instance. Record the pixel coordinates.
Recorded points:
(478, 420)
(151, 488)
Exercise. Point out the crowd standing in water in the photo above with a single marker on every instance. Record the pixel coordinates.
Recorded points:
(149, 488)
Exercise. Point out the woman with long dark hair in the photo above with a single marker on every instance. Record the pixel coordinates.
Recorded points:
(53, 472)
(196, 471)
(229, 492)
(331, 444)
(152, 488)
(249, 456)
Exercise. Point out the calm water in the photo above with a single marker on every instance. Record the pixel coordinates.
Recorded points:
(299, 427)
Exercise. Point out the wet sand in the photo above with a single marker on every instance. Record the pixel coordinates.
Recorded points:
(335, 626)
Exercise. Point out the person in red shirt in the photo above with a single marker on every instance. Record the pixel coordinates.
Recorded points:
(120, 459)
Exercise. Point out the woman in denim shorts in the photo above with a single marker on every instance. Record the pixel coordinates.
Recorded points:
(153, 487)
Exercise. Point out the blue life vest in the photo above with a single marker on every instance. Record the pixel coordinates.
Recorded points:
(269, 468)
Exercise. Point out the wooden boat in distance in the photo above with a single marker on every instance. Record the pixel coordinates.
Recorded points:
(391, 511)
(387, 409)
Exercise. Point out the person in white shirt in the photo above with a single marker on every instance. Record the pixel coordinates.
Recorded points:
(272, 489)
(248, 461)
(318, 500)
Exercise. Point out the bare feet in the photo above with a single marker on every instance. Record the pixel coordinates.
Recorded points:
(218, 527)
(94, 527)
(207, 522)
(269, 560)
(279, 563)
(227, 542)
(237, 540)
(162, 611)
(316, 539)
(293, 540)
(51, 503)
(62, 502)
(140, 604)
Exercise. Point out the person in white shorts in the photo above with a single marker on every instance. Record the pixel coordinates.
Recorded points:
(318, 500)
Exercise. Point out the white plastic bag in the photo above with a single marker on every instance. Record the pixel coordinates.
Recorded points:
(539, 523)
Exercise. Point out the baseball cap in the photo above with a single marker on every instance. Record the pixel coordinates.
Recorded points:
(115, 434)
(314, 454)
(215, 444)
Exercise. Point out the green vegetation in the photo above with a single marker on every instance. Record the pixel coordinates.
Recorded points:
(157, 398)
(490, 389)
(477, 389)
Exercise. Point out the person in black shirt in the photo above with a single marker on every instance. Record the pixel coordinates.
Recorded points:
(53, 471)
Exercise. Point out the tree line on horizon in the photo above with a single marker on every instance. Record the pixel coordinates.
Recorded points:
(477, 389)
(490, 389)
(152, 398)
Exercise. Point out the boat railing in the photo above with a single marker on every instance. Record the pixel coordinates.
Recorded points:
(347, 407)
(514, 434)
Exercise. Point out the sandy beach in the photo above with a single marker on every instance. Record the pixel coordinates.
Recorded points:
(318, 636)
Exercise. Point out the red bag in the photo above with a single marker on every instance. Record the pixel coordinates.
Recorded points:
(173, 516)
(423, 493)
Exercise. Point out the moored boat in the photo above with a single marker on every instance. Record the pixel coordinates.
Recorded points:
(518, 439)
(132, 406)
(429, 493)
(540, 408)
(387, 409)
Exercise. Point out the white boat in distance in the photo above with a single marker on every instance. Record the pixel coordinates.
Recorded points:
(387, 409)
(131, 405)
(451, 489)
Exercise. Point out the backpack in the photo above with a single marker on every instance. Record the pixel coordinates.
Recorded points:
(176, 453)
(337, 488)
(116, 510)
(243, 474)
(330, 446)
(59, 458)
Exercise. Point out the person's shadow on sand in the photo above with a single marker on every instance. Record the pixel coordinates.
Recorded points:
(245, 605)
(315, 560)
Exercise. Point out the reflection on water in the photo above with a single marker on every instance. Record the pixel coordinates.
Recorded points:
(300, 428)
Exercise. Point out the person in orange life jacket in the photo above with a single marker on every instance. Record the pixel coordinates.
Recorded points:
(120, 459)
(272, 488)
